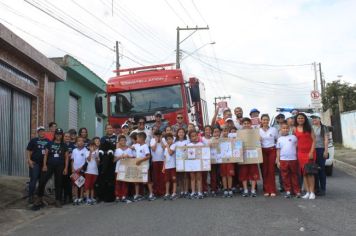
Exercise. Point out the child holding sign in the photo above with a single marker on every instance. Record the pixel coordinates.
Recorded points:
(206, 140)
(91, 173)
(157, 151)
(227, 170)
(195, 177)
(214, 167)
(183, 177)
(169, 168)
(248, 172)
(143, 154)
(78, 157)
(122, 151)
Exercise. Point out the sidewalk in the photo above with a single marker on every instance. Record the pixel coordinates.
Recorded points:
(345, 159)
(12, 190)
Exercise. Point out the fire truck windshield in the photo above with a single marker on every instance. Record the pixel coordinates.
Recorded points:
(146, 101)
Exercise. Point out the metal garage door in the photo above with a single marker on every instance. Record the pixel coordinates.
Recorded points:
(15, 116)
(73, 112)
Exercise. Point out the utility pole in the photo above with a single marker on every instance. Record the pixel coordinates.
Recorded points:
(195, 29)
(117, 58)
(315, 78)
(220, 98)
(321, 81)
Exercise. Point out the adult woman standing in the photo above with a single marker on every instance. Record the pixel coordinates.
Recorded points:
(321, 148)
(83, 132)
(305, 151)
(269, 136)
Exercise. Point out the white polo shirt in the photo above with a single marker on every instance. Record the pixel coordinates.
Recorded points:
(206, 141)
(118, 153)
(79, 156)
(181, 143)
(92, 164)
(157, 155)
(288, 147)
(268, 137)
(198, 144)
(141, 150)
(170, 162)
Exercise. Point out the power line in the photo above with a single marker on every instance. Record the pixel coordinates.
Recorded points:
(68, 25)
(174, 11)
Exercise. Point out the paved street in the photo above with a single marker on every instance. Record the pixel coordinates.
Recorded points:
(334, 214)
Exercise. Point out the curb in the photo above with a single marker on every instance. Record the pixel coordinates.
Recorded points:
(347, 168)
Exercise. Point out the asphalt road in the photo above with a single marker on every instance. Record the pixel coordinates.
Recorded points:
(334, 214)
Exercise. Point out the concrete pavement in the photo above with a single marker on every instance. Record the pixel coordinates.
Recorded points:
(334, 214)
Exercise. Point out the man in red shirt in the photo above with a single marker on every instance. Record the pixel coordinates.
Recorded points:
(50, 133)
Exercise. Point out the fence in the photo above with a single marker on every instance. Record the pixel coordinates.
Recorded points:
(348, 128)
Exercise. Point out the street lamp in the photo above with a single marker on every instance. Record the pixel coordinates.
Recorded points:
(189, 54)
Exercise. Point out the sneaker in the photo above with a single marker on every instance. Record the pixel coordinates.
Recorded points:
(137, 198)
(213, 194)
(306, 196)
(117, 199)
(287, 195)
(75, 202)
(253, 194)
(151, 197)
(174, 196)
(230, 194)
(311, 196)
(93, 201)
(30, 199)
(297, 195)
(125, 200)
(245, 194)
(205, 194)
(80, 201)
(200, 196)
(226, 193)
(192, 196)
(234, 190)
(88, 201)
(166, 197)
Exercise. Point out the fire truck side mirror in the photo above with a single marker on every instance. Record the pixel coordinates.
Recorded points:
(98, 104)
(195, 93)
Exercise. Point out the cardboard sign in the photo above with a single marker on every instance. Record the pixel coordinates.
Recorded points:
(252, 151)
(130, 172)
(228, 150)
(192, 159)
(78, 179)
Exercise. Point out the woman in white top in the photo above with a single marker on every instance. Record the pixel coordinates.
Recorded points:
(269, 136)
(182, 177)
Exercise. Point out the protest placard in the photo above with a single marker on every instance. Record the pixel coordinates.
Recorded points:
(192, 159)
(252, 151)
(78, 179)
(130, 172)
(226, 150)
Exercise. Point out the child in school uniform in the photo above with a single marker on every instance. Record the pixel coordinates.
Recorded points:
(91, 173)
(214, 167)
(169, 168)
(227, 170)
(206, 140)
(122, 151)
(143, 154)
(195, 177)
(183, 177)
(248, 172)
(157, 151)
(287, 161)
(78, 157)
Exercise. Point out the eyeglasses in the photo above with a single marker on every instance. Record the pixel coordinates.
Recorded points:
(180, 117)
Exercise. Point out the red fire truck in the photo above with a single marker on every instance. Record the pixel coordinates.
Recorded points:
(142, 91)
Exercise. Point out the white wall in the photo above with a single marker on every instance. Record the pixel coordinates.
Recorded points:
(348, 128)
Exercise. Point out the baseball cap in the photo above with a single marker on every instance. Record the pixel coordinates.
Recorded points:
(40, 128)
(58, 131)
(124, 125)
(158, 113)
(315, 115)
(229, 119)
(254, 110)
(280, 115)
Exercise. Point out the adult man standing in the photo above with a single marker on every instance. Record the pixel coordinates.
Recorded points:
(180, 123)
(239, 115)
(36, 149)
(161, 126)
(50, 133)
(141, 127)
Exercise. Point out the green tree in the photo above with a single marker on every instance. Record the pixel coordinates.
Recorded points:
(336, 89)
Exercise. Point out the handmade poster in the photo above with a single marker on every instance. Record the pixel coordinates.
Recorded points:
(226, 150)
(252, 153)
(78, 180)
(192, 159)
(130, 172)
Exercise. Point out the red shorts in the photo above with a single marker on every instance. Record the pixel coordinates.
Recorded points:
(249, 172)
(170, 175)
(89, 181)
(227, 170)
